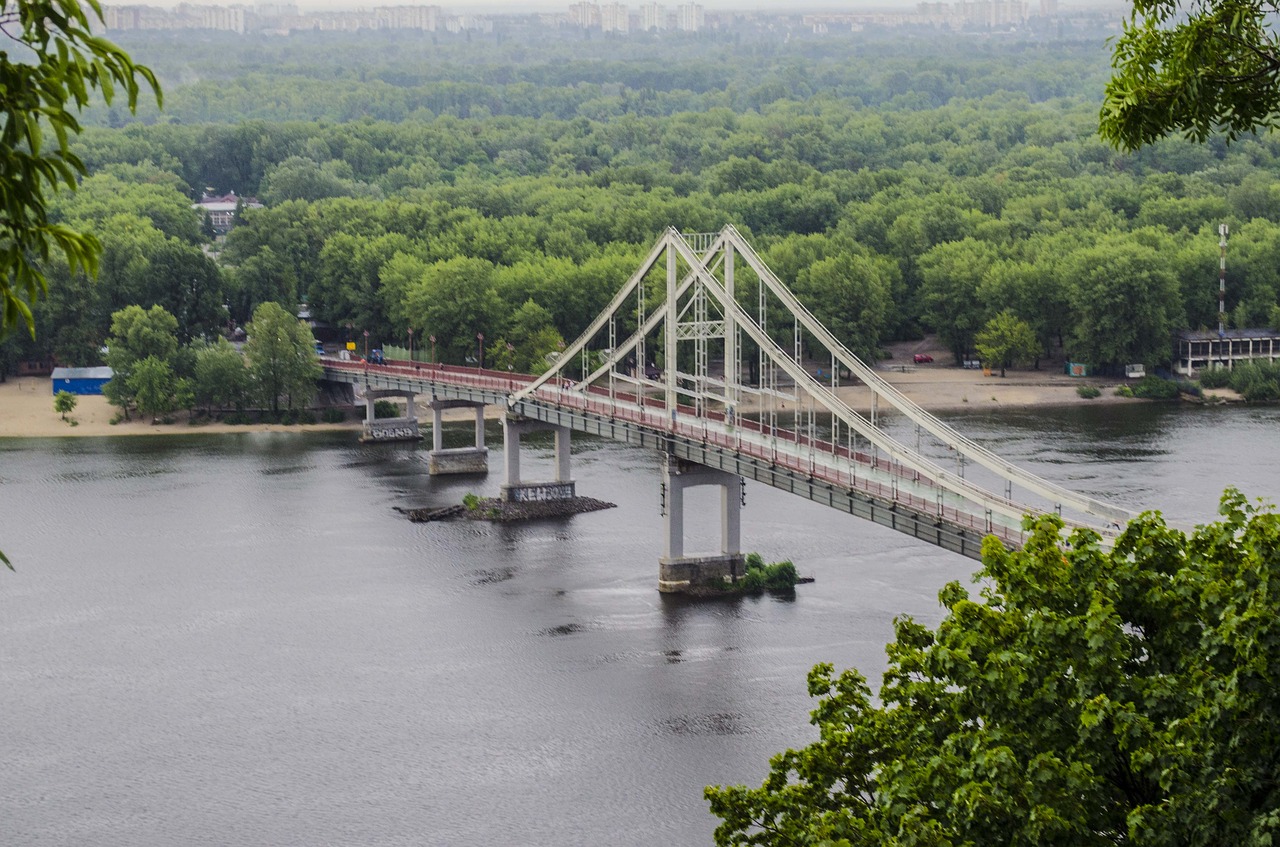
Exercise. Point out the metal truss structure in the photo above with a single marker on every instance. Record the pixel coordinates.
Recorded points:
(705, 329)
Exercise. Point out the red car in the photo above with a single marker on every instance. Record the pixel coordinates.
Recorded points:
(922, 358)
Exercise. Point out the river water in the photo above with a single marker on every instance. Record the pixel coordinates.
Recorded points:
(239, 640)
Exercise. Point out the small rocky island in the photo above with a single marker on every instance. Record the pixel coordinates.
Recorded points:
(493, 509)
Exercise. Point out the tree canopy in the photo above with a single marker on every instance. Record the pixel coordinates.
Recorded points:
(1092, 696)
(900, 186)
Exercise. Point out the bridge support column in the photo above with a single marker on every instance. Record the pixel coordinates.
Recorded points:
(681, 574)
(459, 460)
(404, 428)
(516, 491)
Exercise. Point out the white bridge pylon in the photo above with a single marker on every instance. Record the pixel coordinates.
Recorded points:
(699, 335)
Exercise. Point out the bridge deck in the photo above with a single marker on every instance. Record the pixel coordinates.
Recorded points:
(855, 481)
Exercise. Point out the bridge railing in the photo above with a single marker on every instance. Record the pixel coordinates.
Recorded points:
(501, 381)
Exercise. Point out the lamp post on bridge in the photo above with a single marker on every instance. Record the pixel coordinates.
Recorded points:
(480, 361)
(366, 346)
(433, 349)
(410, 344)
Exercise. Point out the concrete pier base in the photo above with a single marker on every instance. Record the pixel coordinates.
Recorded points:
(404, 428)
(678, 573)
(687, 574)
(390, 429)
(515, 490)
(458, 460)
(539, 492)
(462, 460)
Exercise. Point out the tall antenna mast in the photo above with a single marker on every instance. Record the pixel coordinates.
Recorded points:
(1222, 281)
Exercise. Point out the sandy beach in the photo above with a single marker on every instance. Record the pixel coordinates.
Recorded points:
(940, 386)
(26, 403)
(26, 411)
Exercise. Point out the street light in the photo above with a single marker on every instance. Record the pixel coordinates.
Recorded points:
(433, 349)
(366, 346)
(410, 344)
(480, 362)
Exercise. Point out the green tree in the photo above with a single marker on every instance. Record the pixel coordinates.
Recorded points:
(58, 67)
(951, 275)
(64, 402)
(1193, 68)
(136, 335)
(220, 380)
(266, 276)
(1034, 289)
(849, 293)
(1093, 696)
(157, 195)
(533, 335)
(1126, 303)
(1006, 340)
(154, 387)
(300, 178)
(281, 355)
(454, 301)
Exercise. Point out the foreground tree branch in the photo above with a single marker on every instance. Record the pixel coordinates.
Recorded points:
(1052, 711)
(1195, 69)
(52, 69)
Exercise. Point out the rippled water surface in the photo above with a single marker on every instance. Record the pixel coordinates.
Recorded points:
(239, 640)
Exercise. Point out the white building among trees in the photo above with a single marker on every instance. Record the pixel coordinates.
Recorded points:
(691, 17)
(653, 17)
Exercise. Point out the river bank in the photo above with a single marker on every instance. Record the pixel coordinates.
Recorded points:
(26, 403)
(26, 411)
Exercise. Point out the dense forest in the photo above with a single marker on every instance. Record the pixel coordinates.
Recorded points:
(901, 184)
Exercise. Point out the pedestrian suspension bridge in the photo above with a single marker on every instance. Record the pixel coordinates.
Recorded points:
(737, 397)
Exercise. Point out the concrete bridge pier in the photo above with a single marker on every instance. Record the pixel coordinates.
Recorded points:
(404, 428)
(678, 573)
(516, 491)
(459, 460)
